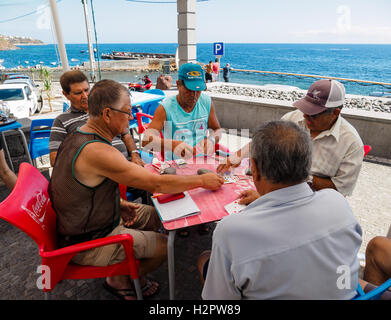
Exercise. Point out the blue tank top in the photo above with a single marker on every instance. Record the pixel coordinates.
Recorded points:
(188, 127)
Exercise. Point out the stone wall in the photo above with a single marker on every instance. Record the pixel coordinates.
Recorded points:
(239, 112)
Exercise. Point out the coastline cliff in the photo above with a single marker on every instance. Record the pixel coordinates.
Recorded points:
(11, 42)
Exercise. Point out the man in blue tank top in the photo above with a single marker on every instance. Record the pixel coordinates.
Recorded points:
(184, 119)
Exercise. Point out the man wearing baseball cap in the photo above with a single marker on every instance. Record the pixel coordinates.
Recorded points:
(337, 147)
(185, 120)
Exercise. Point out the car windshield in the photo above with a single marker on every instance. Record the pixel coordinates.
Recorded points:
(11, 94)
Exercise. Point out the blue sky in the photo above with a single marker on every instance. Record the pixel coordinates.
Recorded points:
(234, 21)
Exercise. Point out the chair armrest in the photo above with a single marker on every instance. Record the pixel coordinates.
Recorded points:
(125, 239)
(139, 116)
(376, 292)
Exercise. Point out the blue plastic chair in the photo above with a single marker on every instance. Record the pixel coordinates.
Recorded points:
(374, 294)
(39, 139)
(65, 107)
(150, 108)
(156, 91)
(133, 123)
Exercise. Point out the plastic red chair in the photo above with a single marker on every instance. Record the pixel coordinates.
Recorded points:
(367, 148)
(28, 208)
(142, 126)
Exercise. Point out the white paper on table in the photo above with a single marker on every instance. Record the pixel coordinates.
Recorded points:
(176, 209)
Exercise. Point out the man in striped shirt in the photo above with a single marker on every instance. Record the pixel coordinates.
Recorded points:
(337, 147)
(76, 88)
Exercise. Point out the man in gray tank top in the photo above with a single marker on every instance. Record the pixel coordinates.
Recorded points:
(75, 88)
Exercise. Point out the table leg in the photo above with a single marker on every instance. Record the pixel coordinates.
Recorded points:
(5, 146)
(171, 263)
(26, 148)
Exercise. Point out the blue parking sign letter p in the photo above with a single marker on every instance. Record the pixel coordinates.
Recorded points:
(218, 48)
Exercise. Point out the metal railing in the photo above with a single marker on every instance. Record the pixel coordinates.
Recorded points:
(383, 84)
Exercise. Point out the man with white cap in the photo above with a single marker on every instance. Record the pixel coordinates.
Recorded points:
(338, 150)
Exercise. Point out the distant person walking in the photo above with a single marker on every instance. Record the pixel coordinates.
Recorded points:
(208, 71)
(226, 72)
(216, 68)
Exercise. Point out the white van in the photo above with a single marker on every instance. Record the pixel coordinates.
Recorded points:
(22, 101)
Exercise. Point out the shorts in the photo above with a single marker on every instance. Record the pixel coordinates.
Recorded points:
(214, 76)
(208, 76)
(144, 235)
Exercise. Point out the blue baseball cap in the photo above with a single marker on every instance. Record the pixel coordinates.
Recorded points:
(193, 76)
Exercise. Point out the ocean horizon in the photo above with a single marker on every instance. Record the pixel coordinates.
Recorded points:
(367, 62)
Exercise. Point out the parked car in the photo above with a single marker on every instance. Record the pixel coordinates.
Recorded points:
(33, 86)
(22, 101)
(13, 75)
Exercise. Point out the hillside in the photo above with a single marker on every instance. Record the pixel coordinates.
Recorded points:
(11, 42)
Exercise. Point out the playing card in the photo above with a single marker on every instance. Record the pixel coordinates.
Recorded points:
(234, 207)
(230, 179)
(180, 163)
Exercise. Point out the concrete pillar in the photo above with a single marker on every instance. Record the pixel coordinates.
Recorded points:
(187, 50)
(60, 41)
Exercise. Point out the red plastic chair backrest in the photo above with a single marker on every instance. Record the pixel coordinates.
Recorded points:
(28, 208)
(367, 148)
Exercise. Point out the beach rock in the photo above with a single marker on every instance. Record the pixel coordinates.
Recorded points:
(164, 82)
(364, 103)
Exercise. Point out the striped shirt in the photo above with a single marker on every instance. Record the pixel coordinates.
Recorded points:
(68, 122)
(337, 153)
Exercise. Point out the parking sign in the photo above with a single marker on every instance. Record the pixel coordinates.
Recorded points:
(218, 49)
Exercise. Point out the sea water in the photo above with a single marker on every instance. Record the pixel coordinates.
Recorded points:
(351, 61)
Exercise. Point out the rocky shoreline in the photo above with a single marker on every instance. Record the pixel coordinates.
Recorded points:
(352, 102)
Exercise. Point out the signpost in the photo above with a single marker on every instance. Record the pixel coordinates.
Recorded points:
(218, 51)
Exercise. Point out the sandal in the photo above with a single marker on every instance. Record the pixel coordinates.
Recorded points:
(120, 293)
(203, 229)
(124, 293)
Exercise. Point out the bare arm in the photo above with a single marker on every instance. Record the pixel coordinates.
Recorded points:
(152, 139)
(98, 161)
(319, 183)
(234, 159)
(52, 157)
(131, 146)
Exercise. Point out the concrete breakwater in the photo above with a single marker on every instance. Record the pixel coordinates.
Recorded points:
(352, 101)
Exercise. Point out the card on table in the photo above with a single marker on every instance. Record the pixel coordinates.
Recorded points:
(234, 207)
(230, 178)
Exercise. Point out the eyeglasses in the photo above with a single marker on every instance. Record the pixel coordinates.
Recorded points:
(129, 113)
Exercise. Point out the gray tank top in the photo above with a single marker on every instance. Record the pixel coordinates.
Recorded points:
(83, 213)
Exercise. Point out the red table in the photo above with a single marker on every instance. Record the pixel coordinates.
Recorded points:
(210, 203)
